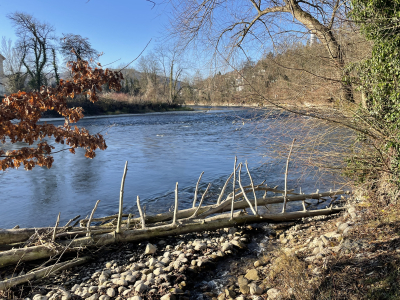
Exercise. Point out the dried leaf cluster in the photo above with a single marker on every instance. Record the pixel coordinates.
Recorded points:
(20, 113)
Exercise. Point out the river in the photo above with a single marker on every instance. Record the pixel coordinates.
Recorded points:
(161, 149)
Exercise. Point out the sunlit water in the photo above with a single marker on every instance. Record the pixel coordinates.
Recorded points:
(161, 149)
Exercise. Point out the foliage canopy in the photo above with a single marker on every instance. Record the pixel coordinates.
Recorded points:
(20, 113)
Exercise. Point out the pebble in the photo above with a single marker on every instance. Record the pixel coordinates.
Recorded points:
(273, 294)
(150, 249)
(168, 297)
(110, 292)
(255, 289)
(252, 275)
(140, 288)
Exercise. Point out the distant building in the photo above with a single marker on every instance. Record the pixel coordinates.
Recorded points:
(239, 84)
(313, 39)
(2, 76)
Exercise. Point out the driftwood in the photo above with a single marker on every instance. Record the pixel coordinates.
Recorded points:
(196, 189)
(11, 236)
(156, 218)
(286, 175)
(223, 189)
(233, 184)
(91, 217)
(6, 284)
(252, 187)
(243, 191)
(213, 223)
(121, 200)
(142, 218)
(14, 256)
(98, 234)
(58, 240)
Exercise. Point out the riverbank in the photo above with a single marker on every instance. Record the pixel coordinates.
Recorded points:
(111, 107)
(325, 257)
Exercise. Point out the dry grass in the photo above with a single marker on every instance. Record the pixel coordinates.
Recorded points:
(289, 273)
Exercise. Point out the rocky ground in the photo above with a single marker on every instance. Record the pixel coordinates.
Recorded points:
(287, 261)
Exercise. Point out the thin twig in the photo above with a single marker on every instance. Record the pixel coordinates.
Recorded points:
(121, 199)
(176, 204)
(55, 227)
(195, 191)
(286, 175)
(244, 193)
(201, 202)
(128, 223)
(252, 186)
(234, 179)
(72, 220)
(141, 213)
(90, 218)
(223, 189)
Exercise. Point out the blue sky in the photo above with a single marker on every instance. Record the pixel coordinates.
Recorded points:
(120, 28)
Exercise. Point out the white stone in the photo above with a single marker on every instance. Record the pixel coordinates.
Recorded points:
(75, 287)
(93, 297)
(274, 294)
(141, 288)
(110, 292)
(200, 246)
(150, 249)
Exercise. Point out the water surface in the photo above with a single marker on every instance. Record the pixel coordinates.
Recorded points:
(161, 149)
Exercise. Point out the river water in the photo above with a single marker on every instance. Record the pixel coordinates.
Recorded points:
(161, 149)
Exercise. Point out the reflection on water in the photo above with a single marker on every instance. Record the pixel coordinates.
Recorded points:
(162, 149)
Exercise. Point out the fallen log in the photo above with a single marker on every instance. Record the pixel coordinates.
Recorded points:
(185, 213)
(260, 187)
(10, 236)
(187, 226)
(14, 256)
(6, 284)
(181, 227)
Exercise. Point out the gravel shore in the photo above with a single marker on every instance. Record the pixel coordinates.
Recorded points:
(256, 261)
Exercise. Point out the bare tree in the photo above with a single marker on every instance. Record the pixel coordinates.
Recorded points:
(235, 24)
(75, 47)
(149, 66)
(34, 41)
(172, 64)
(13, 66)
(13, 58)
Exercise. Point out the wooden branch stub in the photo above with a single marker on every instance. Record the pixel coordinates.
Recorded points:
(252, 187)
(176, 205)
(55, 227)
(201, 202)
(121, 200)
(6, 284)
(195, 191)
(141, 213)
(243, 191)
(233, 192)
(90, 218)
(286, 175)
(72, 220)
(128, 223)
(223, 189)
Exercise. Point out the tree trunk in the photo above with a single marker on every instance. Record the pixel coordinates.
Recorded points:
(327, 38)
